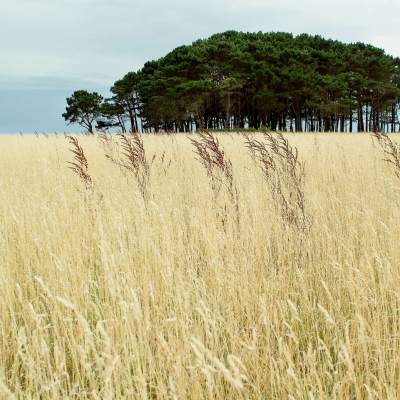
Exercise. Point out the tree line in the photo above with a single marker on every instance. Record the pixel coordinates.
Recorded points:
(237, 80)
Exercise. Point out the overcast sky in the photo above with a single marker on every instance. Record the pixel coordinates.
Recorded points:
(50, 48)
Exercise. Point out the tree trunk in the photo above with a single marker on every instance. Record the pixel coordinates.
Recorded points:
(360, 115)
(393, 118)
(351, 121)
(342, 123)
(291, 122)
(228, 109)
(312, 121)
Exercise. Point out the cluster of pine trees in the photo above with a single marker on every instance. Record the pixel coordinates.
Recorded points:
(236, 80)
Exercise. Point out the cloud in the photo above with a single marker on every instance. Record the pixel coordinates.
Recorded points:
(49, 83)
(107, 38)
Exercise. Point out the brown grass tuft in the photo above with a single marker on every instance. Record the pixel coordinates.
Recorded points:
(80, 166)
(285, 175)
(133, 157)
(218, 167)
(390, 149)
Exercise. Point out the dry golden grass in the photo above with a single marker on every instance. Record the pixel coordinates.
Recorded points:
(107, 293)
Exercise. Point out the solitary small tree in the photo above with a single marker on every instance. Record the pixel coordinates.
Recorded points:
(83, 108)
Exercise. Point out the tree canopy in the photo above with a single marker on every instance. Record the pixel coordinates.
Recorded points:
(260, 80)
(83, 108)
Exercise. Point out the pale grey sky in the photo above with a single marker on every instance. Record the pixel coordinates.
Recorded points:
(49, 48)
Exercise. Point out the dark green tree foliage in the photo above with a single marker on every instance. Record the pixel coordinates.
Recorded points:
(260, 80)
(83, 108)
(124, 105)
(270, 80)
(112, 114)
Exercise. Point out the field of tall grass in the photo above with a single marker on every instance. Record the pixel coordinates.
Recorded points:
(174, 266)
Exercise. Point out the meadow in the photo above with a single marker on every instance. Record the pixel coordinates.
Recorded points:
(172, 278)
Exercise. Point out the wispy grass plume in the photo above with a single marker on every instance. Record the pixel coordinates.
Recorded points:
(218, 167)
(285, 176)
(132, 158)
(80, 165)
(390, 149)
